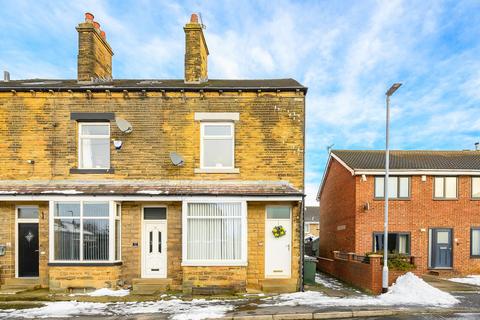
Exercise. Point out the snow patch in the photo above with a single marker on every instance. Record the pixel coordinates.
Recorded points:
(471, 279)
(63, 191)
(408, 290)
(197, 309)
(8, 192)
(57, 310)
(150, 192)
(109, 292)
(328, 282)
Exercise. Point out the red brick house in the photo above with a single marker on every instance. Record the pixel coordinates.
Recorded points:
(434, 208)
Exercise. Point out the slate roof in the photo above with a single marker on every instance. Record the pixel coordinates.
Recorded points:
(312, 214)
(148, 188)
(410, 159)
(152, 85)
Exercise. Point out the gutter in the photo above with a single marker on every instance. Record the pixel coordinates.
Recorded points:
(102, 88)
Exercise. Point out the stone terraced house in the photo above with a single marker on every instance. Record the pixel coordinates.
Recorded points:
(434, 207)
(159, 184)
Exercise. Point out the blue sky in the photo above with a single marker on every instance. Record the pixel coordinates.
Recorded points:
(347, 52)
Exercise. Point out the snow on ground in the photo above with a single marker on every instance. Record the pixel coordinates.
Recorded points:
(109, 292)
(63, 191)
(472, 279)
(196, 309)
(328, 282)
(408, 290)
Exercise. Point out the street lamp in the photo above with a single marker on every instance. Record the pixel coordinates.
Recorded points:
(389, 93)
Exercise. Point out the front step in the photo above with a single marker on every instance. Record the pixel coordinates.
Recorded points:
(150, 286)
(21, 284)
(279, 285)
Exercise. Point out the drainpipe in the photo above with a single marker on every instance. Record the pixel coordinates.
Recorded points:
(302, 258)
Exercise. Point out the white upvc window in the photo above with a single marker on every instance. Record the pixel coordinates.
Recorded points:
(398, 187)
(476, 187)
(217, 145)
(445, 188)
(214, 233)
(85, 231)
(94, 145)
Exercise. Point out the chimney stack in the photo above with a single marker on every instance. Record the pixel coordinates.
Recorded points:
(196, 52)
(6, 76)
(94, 53)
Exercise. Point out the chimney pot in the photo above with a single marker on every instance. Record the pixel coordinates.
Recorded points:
(89, 16)
(96, 25)
(194, 18)
(103, 34)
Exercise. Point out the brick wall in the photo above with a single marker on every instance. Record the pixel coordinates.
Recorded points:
(417, 215)
(337, 211)
(268, 143)
(366, 276)
(77, 277)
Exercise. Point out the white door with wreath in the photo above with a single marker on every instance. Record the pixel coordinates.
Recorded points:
(278, 242)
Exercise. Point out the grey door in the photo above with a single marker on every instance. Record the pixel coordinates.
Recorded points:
(441, 248)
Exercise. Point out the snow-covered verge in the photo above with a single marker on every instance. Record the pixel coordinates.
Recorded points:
(109, 292)
(472, 279)
(408, 290)
(328, 282)
(196, 309)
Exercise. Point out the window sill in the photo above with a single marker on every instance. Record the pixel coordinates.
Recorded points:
(91, 171)
(85, 264)
(214, 264)
(393, 199)
(445, 199)
(234, 170)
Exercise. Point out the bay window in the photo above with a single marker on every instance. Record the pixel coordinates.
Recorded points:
(94, 145)
(214, 233)
(85, 231)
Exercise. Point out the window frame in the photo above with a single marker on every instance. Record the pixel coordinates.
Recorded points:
(473, 256)
(407, 233)
(86, 136)
(409, 184)
(203, 124)
(444, 198)
(471, 189)
(112, 217)
(243, 261)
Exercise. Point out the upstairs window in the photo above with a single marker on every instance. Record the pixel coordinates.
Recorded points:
(217, 145)
(445, 188)
(94, 145)
(476, 187)
(398, 187)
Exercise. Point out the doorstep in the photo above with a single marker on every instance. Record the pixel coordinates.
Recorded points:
(148, 286)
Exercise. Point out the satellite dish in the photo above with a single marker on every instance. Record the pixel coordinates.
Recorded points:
(123, 125)
(177, 160)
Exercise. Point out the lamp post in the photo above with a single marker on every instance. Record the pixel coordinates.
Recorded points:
(389, 93)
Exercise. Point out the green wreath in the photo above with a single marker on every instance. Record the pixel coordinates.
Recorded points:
(278, 231)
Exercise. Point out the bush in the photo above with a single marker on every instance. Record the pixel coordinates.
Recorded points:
(397, 261)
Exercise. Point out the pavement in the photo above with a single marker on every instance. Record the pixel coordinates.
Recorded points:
(252, 307)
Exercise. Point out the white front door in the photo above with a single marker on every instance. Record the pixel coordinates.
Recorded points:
(154, 246)
(278, 254)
